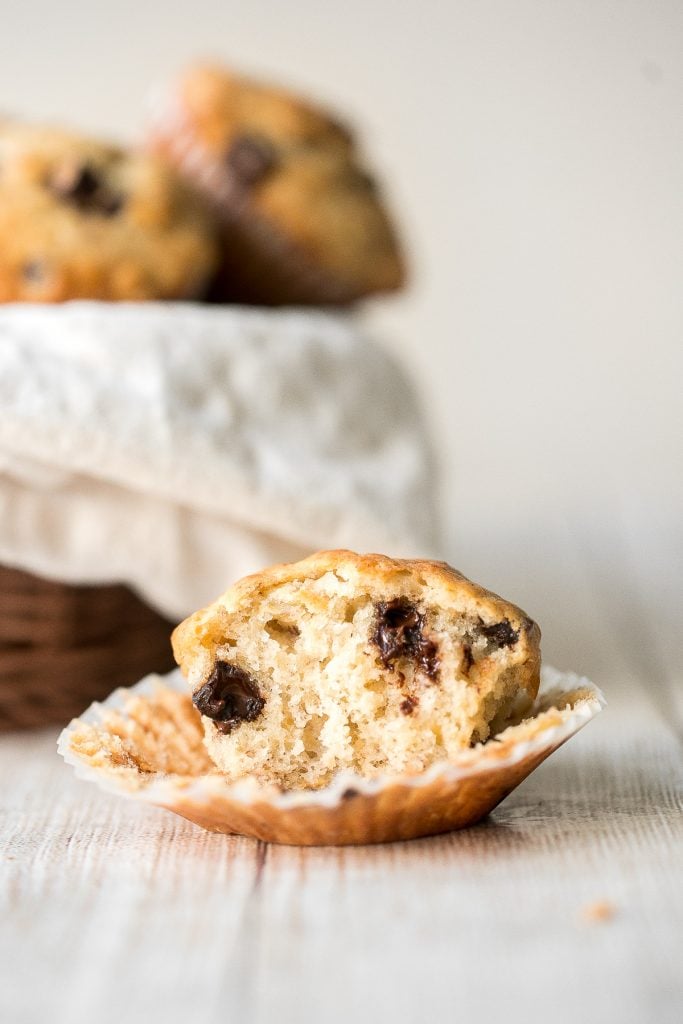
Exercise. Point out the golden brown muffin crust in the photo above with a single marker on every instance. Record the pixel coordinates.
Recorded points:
(85, 219)
(448, 584)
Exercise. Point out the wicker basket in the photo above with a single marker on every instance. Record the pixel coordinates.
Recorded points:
(63, 646)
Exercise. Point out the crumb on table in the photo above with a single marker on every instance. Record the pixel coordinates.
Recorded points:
(598, 911)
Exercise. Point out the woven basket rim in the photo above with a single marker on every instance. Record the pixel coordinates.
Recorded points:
(63, 645)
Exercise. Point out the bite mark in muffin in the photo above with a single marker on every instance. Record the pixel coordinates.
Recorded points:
(357, 662)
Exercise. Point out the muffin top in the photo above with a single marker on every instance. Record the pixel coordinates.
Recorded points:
(84, 219)
(265, 154)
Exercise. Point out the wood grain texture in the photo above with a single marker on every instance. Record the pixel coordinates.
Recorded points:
(123, 912)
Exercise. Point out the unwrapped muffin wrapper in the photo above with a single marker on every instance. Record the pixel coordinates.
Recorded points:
(146, 742)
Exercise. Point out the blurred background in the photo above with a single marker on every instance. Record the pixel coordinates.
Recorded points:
(533, 153)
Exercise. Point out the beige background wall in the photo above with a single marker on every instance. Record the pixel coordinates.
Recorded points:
(535, 151)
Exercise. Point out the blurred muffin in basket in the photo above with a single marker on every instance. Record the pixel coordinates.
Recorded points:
(303, 221)
(84, 219)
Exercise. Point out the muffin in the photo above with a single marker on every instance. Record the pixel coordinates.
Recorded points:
(84, 219)
(303, 221)
(361, 663)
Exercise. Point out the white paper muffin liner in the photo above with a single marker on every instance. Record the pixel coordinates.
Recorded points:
(135, 742)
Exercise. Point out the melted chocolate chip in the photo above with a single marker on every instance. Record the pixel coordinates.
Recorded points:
(83, 188)
(408, 705)
(467, 658)
(251, 158)
(229, 696)
(349, 794)
(398, 634)
(500, 633)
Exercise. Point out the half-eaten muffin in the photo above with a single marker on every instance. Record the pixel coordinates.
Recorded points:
(358, 662)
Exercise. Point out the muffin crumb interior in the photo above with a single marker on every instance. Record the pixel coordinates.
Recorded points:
(354, 674)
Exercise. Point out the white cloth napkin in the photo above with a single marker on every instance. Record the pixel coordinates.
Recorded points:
(174, 447)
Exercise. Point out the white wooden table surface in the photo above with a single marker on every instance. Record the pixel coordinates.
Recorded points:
(122, 913)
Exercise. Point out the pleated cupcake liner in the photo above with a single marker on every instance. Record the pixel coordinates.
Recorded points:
(146, 743)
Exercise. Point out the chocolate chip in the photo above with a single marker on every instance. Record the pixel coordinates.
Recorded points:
(349, 794)
(251, 158)
(398, 634)
(408, 705)
(110, 204)
(83, 188)
(34, 271)
(84, 185)
(500, 633)
(229, 696)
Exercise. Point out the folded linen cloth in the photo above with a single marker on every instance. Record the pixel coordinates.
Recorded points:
(175, 447)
